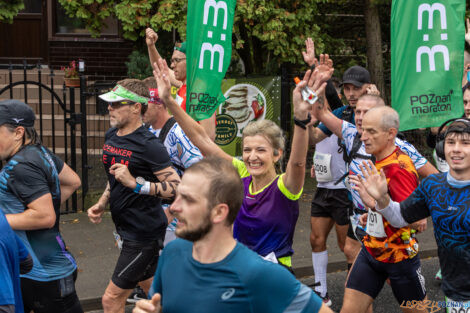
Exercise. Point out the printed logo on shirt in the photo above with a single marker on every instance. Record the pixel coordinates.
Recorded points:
(228, 294)
(452, 208)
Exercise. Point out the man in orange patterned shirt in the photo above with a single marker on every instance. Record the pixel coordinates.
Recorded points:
(388, 252)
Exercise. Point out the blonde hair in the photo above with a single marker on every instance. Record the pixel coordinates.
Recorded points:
(267, 129)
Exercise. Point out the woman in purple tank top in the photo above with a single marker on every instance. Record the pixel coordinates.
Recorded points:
(267, 218)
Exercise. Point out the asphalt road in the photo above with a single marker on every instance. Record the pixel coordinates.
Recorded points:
(385, 302)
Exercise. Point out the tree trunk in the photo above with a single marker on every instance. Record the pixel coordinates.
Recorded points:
(374, 46)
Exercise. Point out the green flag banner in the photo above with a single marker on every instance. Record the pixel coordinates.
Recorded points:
(427, 61)
(209, 51)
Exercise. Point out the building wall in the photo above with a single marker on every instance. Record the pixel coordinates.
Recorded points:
(104, 59)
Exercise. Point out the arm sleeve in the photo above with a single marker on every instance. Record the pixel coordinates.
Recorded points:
(29, 182)
(418, 160)
(332, 96)
(156, 155)
(338, 113)
(393, 215)
(415, 207)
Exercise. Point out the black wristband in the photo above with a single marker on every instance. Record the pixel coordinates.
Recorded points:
(303, 123)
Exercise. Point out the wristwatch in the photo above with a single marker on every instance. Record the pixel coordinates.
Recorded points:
(303, 123)
(140, 181)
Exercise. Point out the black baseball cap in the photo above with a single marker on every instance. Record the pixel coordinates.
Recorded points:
(16, 113)
(356, 75)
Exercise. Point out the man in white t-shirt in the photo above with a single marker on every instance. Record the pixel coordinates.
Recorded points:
(181, 150)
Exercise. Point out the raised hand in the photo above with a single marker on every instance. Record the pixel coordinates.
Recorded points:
(121, 174)
(151, 36)
(374, 182)
(162, 76)
(309, 54)
(372, 90)
(325, 65)
(316, 82)
(356, 184)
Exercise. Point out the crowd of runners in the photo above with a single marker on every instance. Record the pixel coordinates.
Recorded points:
(202, 231)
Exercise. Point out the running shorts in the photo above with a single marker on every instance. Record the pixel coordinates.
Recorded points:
(137, 262)
(57, 296)
(405, 277)
(334, 203)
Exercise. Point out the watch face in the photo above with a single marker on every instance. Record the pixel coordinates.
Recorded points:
(140, 180)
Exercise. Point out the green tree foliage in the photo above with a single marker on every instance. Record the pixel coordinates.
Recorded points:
(9, 9)
(138, 65)
(266, 33)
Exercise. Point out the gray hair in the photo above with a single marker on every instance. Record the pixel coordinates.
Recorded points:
(390, 118)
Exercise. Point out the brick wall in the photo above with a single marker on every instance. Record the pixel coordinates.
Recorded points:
(104, 60)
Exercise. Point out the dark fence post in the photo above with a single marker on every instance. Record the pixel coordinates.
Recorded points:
(73, 153)
(286, 107)
(83, 138)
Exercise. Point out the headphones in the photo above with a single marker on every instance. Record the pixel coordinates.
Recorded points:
(441, 136)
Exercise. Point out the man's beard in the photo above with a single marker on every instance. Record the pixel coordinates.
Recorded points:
(196, 234)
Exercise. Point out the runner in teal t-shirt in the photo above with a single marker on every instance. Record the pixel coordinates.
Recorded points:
(211, 272)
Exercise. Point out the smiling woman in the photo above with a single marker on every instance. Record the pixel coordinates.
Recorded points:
(269, 212)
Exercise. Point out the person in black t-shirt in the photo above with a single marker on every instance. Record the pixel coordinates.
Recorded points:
(139, 175)
(33, 184)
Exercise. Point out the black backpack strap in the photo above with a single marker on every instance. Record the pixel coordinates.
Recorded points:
(357, 143)
(166, 128)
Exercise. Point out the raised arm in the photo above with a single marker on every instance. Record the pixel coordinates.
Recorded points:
(151, 38)
(192, 129)
(295, 171)
(333, 123)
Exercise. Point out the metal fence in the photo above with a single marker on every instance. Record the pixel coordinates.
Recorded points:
(53, 103)
(72, 122)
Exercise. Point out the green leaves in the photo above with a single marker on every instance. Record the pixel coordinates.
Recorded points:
(9, 9)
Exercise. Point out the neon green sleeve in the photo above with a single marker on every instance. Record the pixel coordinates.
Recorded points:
(241, 168)
(285, 191)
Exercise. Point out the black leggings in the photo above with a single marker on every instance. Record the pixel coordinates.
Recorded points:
(57, 296)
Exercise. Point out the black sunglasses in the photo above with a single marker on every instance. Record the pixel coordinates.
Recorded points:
(118, 104)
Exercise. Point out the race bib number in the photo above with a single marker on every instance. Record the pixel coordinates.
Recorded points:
(457, 306)
(375, 225)
(441, 164)
(322, 164)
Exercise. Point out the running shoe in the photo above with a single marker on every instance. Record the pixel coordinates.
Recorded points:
(136, 295)
(438, 275)
(326, 299)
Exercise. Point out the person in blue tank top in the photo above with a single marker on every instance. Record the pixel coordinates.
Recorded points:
(33, 184)
(446, 198)
(206, 269)
(269, 212)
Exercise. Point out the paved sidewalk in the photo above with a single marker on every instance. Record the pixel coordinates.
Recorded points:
(95, 252)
